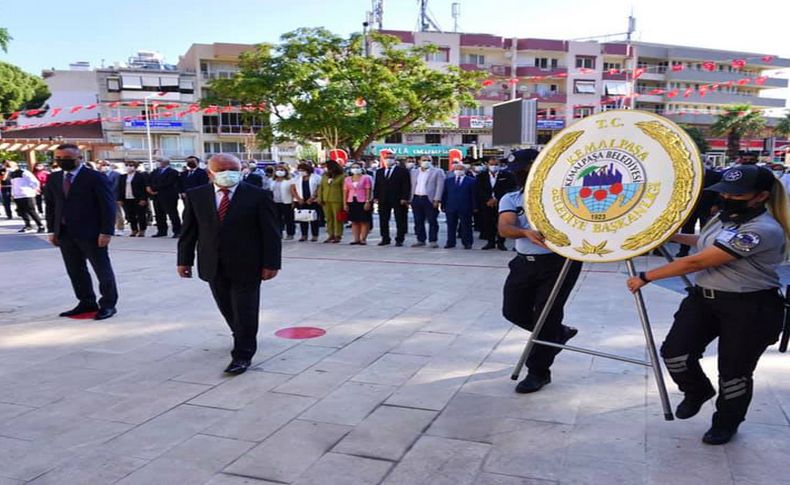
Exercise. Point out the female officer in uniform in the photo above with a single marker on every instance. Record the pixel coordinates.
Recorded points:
(735, 298)
(533, 273)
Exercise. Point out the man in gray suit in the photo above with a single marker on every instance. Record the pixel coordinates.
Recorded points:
(427, 187)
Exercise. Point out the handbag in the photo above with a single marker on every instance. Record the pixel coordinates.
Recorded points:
(342, 216)
(305, 215)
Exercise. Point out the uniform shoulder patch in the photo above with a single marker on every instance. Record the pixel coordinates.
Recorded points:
(745, 241)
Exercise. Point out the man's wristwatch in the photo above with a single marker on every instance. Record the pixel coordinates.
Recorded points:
(643, 276)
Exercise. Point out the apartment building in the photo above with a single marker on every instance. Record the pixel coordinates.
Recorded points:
(574, 79)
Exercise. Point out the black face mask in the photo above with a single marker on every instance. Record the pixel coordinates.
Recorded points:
(733, 206)
(191, 164)
(68, 164)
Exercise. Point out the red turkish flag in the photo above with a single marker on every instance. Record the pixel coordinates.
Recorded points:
(688, 92)
(709, 66)
(614, 71)
(134, 104)
(672, 93)
(91, 106)
(744, 81)
(703, 90)
(455, 155)
(638, 72)
(114, 104)
(513, 80)
(768, 59)
(760, 80)
(656, 92)
(74, 109)
(678, 67)
(338, 155)
(714, 86)
(739, 63)
(55, 112)
(488, 82)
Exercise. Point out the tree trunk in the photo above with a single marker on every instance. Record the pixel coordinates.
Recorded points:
(733, 145)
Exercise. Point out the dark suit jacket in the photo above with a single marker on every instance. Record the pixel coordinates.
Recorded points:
(166, 182)
(254, 179)
(246, 242)
(88, 211)
(505, 183)
(199, 177)
(139, 183)
(461, 199)
(391, 191)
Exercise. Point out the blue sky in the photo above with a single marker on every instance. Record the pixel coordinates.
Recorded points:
(53, 33)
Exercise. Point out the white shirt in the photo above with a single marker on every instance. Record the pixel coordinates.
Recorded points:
(24, 187)
(282, 191)
(492, 178)
(422, 181)
(786, 181)
(218, 193)
(129, 193)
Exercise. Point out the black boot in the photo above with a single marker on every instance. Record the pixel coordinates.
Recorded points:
(532, 383)
(690, 405)
(718, 434)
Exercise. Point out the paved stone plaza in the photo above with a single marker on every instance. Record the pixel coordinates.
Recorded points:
(410, 385)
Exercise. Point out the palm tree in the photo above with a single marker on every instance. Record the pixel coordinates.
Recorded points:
(4, 39)
(736, 122)
(783, 127)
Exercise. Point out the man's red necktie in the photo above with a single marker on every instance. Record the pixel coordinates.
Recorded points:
(224, 204)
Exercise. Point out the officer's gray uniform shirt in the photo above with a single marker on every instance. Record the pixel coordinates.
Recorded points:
(514, 202)
(758, 245)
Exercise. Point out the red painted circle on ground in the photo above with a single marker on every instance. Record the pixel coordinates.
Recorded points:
(84, 316)
(299, 333)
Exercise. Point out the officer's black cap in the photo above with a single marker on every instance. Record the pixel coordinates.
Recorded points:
(744, 179)
(521, 159)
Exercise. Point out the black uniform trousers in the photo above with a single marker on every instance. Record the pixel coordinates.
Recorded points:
(166, 206)
(76, 254)
(285, 218)
(401, 220)
(5, 192)
(26, 208)
(526, 290)
(745, 325)
(136, 214)
(239, 304)
(489, 218)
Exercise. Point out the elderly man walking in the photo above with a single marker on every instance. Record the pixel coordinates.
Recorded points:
(427, 187)
(233, 227)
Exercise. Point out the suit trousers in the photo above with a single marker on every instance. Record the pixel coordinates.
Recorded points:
(285, 218)
(333, 227)
(489, 218)
(459, 222)
(526, 290)
(239, 304)
(6, 194)
(166, 206)
(76, 254)
(424, 210)
(26, 208)
(401, 220)
(136, 214)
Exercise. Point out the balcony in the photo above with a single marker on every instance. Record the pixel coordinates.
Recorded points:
(619, 76)
(546, 97)
(701, 75)
(492, 96)
(231, 129)
(527, 71)
(538, 45)
(217, 75)
(718, 97)
(481, 40)
(492, 69)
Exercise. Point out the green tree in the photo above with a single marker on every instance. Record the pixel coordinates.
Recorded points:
(698, 137)
(20, 90)
(322, 87)
(783, 127)
(736, 122)
(307, 151)
(5, 38)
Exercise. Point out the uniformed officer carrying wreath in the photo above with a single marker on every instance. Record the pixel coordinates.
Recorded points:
(735, 298)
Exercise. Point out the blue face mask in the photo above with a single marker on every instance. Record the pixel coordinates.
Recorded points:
(228, 178)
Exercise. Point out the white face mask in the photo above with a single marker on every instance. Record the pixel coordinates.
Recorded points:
(280, 173)
(228, 178)
(493, 168)
(425, 164)
(478, 168)
(356, 171)
(391, 162)
(459, 173)
(302, 173)
(409, 165)
(131, 169)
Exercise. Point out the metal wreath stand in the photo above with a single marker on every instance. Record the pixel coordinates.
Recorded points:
(652, 362)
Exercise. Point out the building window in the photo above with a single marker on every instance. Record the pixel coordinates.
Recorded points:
(131, 82)
(469, 139)
(113, 84)
(186, 86)
(615, 88)
(476, 59)
(169, 84)
(554, 63)
(230, 119)
(150, 83)
(170, 145)
(433, 138)
(584, 87)
(585, 62)
(542, 62)
(608, 66)
(394, 138)
(210, 124)
(441, 55)
(582, 111)
(134, 143)
(476, 111)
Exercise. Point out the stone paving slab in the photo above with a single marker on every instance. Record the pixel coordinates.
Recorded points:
(410, 385)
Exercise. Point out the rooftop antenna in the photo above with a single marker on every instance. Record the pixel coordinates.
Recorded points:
(426, 21)
(456, 15)
(631, 25)
(378, 13)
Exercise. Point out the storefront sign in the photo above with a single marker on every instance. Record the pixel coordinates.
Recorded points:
(416, 150)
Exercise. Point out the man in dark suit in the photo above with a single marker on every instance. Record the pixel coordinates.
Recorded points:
(80, 211)
(233, 227)
(193, 176)
(392, 191)
(491, 186)
(459, 203)
(164, 185)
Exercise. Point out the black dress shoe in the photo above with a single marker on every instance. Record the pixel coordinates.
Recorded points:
(568, 333)
(718, 435)
(384, 243)
(237, 367)
(159, 234)
(105, 313)
(447, 246)
(176, 235)
(690, 405)
(501, 246)
(467, 246)
(488, 246)
(79, 310)
(398, 244)
(41, 230)
(532, 383)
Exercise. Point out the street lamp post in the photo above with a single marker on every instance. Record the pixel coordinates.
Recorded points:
(148, 134)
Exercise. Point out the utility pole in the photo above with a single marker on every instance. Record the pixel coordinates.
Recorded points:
(456, 15)
(630, 83)
(378, 13)
(426, 22)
